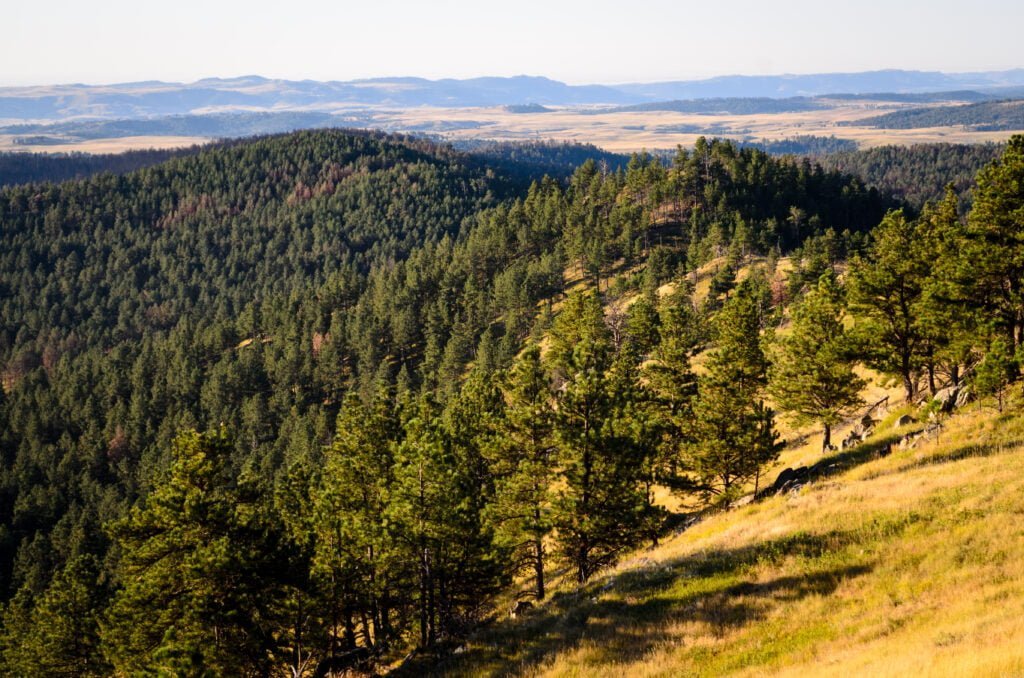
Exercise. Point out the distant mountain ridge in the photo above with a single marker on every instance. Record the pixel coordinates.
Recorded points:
(257, 93)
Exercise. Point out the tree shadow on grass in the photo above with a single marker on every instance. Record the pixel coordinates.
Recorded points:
(627, 615)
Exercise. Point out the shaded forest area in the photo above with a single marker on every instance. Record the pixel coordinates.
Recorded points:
(26, 168)
(917, 173)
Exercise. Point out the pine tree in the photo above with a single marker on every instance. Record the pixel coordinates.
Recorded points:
(441, 485)
(642, 323)
(886, 292)
(59, 634)
(996, 370)
(993, 247)
(948, 319)
(812, 376)
(601, 506)
(198, 569)
(733, 431)
(671, 380)
(355, 550)
(523, 466)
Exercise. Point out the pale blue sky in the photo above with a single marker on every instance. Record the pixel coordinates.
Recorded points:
(579, 41)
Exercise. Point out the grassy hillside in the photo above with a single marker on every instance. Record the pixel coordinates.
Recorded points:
(908, 563)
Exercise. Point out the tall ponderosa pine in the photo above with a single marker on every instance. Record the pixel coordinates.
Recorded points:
(886, 293)
(59, 634)
(523, 466)
(996, 370)
(356, 558)
(733, 430)
(440, 488)
(811, 376)
(671, 380)
(600, 506)
(949, 320)
(994, 243)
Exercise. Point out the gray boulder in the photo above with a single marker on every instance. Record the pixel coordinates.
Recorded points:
(965, 396)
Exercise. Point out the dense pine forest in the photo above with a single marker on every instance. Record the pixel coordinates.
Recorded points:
(917, 173)
(26, 168)
(303, 401)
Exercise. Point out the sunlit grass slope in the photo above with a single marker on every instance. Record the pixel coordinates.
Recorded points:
(908, 564)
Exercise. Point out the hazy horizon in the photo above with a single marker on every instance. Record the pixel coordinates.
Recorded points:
(575, 42)
(608, 83)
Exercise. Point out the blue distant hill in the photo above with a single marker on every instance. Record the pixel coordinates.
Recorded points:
(255, 93)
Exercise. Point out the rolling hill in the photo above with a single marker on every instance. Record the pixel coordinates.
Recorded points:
(984, 116)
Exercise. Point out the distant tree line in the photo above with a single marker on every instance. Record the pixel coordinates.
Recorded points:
(984, 116)
(26, 168)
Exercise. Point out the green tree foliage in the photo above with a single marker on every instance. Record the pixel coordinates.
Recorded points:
(671, 380)
(643, 325)
(436, 506)
(996, 370)
(918, 173)
(59, 634)
(343, 304)
(886, 295)
(197, 568)
(734, 435)
(522, 461)
(600, 507)
(357, 563)
(811, 376)
(949, 321)
(993, 248)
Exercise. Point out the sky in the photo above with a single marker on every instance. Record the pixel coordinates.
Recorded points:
(577, 41)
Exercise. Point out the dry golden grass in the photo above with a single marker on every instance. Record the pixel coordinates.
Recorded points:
(908, 564)
(634, 131)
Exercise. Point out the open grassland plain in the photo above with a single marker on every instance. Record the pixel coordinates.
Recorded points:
(612, 130)
(635, 130)
(910, 563)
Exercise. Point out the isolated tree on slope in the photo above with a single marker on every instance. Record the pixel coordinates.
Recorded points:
(812, 376)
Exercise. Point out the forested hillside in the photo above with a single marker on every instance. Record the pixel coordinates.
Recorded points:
(24, 168)
(315, 399)
(986, 115)
(918, 173)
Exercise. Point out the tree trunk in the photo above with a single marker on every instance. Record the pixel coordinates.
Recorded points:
(908, 387)
(538, 566)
